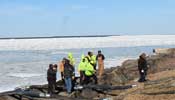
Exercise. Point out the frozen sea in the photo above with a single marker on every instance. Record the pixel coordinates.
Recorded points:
(25, 61)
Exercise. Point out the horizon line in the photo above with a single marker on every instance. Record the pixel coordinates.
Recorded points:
(66, 36)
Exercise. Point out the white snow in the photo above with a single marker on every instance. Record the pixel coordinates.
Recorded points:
(91, 42)
(24, 75)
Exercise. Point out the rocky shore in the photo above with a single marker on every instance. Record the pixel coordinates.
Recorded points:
(159, 86)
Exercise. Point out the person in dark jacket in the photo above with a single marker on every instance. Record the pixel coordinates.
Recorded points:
(68, 74)
(100, 59)
(142, 67)
(51, 78)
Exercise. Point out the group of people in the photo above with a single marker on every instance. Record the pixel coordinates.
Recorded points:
(86, 68)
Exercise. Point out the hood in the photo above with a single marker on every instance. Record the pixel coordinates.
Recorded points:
(70, 55)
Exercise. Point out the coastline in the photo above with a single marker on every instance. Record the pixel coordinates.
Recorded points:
(160, 74)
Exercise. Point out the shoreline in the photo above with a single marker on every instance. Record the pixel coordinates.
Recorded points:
(160, 74)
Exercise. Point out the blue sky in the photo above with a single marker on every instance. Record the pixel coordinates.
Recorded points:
(86, 17)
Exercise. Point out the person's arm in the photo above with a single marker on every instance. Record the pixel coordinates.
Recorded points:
(139, 64)
(73, 70)
(145, 65)
(97, 57)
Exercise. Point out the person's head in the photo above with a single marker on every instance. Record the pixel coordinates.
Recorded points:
(83, 60)
(99, 51)
(50, 66)
(90, 53)
(70, 55)
(143, 55)
(154, 51)
(67, 61)
(63, 60)
(55, 67)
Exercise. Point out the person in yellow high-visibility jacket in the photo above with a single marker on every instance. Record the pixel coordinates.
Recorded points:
(92, 59)
(81, 68)
(81, 64)
(71, 59)
(90, 72)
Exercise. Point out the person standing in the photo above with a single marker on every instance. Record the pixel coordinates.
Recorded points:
(68, 74)
(100, 59)
(61, 68)
(51, 78)
(142, 67)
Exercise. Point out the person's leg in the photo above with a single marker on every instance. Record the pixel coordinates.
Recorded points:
(49, 87)
(69, 85)
(144, 76)
(99, 69)
(73, 81)
(140, 78)
(52, 86)
(81, 77)
(86, 80)
(102, 68)
(95, 79)
(62, 75)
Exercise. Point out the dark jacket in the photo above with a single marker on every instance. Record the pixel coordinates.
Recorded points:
(100, 55)
(68, 70)
(51, 75)
(142, 64)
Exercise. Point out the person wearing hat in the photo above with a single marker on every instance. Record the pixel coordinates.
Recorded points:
(68, 74)
(100, 59)
(142, 67)
(89, 72)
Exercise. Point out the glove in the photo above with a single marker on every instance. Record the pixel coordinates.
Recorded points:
(73, 77)
(142, 71)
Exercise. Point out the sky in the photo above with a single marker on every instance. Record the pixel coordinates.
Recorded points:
(20, 18)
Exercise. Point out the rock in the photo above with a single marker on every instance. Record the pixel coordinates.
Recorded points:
(7, 98)
(89, 94)
(167, 51)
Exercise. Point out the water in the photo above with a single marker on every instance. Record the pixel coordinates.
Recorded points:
(25, 62)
